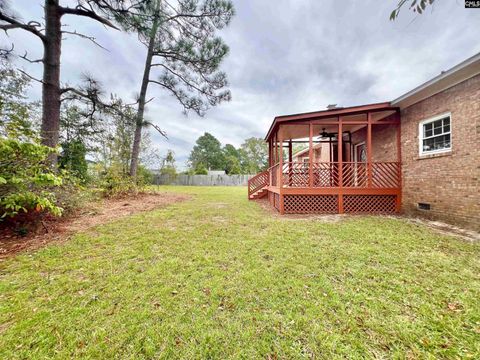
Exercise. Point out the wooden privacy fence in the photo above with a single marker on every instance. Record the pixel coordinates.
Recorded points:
(202, 180)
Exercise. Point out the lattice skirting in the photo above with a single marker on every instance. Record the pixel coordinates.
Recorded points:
(379, 204)
(304, 204)
(328, 204)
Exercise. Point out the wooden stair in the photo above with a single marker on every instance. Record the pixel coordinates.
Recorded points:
(259, 194)
(257, 186)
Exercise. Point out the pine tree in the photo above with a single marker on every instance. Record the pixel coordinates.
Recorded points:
(183, 55)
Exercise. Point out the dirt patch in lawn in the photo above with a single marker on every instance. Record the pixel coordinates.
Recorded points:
(448, 229)
(97, 213)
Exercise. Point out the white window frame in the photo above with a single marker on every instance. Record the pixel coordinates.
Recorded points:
(421, 138)
(355, 156)
(305, 162)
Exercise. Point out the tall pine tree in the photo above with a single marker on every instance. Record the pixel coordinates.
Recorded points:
(51, 33)
(183, 55)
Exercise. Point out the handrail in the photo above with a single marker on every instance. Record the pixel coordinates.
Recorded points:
(385, 174)
(378, 175)
(273, 174)
(258, 182)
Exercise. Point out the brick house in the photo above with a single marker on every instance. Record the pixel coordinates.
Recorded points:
(418, 154)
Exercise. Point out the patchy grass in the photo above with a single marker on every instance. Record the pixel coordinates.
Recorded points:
(93, 213)
(218, 277)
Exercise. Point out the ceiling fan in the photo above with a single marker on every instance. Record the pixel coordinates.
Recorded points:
(325, 134)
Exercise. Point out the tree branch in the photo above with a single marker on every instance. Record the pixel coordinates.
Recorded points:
(14, 24)
(5, 53)
(156, 127)
(24, 57)
(81, 11)
(86, 37)
(178, 96)
(30, 76)
(185, 81)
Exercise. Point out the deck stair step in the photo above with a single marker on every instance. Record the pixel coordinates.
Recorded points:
(257, 185)
(259, 194)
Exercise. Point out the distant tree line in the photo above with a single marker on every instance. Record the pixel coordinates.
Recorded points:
(209, 154)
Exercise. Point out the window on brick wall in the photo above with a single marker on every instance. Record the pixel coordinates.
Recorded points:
(305, 163)
(435, 135)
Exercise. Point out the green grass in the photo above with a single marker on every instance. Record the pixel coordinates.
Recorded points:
(218, 277)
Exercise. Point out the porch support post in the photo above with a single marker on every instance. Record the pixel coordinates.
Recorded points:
(310, 155)
(340, 165)
(275, 153)
(290, 154)
(280, 174)
(270, 160)
(290, 162)
(269, 152)
(272, 151)
(399, 160)
(369, 149)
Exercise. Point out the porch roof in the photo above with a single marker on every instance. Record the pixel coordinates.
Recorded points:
(317, 115)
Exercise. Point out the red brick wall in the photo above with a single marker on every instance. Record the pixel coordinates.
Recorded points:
(450, 182)
(384, 141)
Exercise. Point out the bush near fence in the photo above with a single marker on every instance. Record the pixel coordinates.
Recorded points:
(202, 180)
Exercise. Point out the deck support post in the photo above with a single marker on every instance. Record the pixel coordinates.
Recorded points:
(398, 206)
(340, 165)
(310, 155)
(369, 149)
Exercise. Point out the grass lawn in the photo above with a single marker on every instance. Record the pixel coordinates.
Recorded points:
(218, 277)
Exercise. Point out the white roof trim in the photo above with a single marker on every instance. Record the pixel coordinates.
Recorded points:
(461, 72)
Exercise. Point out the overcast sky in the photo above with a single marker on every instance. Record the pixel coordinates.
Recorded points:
(286, 56)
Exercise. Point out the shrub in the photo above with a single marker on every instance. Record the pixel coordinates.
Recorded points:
(201, 170)
(25, 179)
(72, 158)
(144, 176)
(115, 183)
(72, 195)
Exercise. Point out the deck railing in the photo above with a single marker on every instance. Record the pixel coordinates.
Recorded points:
(258, 182)
(273, 174)
(328, 174)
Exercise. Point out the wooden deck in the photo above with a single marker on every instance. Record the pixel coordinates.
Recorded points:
(322, 188)
(354, 180)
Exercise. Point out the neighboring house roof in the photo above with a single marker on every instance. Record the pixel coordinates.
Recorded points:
(216, 172)
(461, 72)
(306, 150)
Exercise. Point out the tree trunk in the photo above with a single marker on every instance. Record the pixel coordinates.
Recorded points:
(51, 78)
(141, 102)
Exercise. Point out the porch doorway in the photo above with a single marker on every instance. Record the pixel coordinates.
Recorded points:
(360, 154)
(360, 164)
